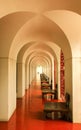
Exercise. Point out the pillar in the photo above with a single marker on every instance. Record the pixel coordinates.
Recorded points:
(76, 87)
(7, 88)
(68, 81)
(20, 80)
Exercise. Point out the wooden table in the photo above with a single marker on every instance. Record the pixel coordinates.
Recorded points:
(45, 85)
(47, 91)
(61, 107)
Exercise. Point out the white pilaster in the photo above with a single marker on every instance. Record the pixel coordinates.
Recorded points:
(7, 88)
(20, 80)
(76, 87)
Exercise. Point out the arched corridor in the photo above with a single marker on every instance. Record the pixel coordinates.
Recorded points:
(34, 34)
(29, 114)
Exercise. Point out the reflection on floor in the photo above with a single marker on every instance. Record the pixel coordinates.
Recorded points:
(29, 114)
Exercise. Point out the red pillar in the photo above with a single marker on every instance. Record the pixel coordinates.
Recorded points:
(54, 74)
(62, 75)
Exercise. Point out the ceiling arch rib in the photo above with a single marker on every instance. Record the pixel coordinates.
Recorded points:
(40, 29)
(66, 5)
(34, 48)
(40, 52)
(41, 6)
(52, 48)
(23, 50)
(39, 61)
(70, 23)
(43, 55)
(9, 25)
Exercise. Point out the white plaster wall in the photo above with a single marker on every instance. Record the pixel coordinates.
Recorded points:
(25, 76)
(44, 69)
(76, 87)
(53, 87)
(4, 89)
(68, 81)
(21, 80)
(49, 71)
(27, 82)
(31, 74)
(12, 87)
(58, 71)
(34, 72)
(68, 75)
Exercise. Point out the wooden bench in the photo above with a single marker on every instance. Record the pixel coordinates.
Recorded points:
(45, 85)
(47, 91)
(62, 107)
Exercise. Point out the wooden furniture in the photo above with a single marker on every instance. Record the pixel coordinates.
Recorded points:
(47, 91)
(62, 107)
(45, 81)
(44, 78)
(45, 85)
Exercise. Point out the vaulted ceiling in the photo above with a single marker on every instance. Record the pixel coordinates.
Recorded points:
(33, 27)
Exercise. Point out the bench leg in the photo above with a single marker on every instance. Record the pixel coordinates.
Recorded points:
(45, 115)
(65, 116)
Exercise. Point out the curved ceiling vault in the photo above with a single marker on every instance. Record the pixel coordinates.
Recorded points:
(39, 29)
(40, 56)
(39, 21)
(9, 26)
(37, 49)
(41, 6)
(70, 23)
(36, 61)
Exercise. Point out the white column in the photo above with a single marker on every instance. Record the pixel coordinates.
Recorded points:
(4, 89)
(76, 87)
(12, 86)
(7, 88)
(53, 87)
(25, 76)
(20, 80)
(28, 76)
(68, 81)
(31, 74)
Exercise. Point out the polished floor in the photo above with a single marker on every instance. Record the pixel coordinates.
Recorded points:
(29, 114)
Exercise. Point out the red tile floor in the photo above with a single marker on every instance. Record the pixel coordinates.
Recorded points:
(29, 114)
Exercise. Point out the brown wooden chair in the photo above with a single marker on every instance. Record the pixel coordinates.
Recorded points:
(61, 107)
